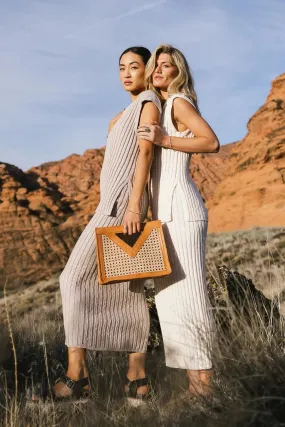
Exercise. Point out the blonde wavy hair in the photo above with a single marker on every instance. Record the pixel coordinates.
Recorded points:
(183, 83)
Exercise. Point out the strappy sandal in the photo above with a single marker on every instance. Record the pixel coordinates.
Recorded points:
(76, 389)
(133, 397)
(77, 393)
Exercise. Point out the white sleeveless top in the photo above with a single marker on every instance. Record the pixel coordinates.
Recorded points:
(171, 172)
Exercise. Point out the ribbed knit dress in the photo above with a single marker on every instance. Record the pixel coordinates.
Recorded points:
(181, 298)
(108, 317)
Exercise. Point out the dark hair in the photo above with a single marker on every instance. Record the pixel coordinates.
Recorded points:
(143, 52)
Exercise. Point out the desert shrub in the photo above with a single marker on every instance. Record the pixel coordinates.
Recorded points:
(248, 388)
(248, 356)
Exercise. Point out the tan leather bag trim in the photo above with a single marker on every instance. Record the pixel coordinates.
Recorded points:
(131, 251)
(164, 252)
(118, 279)
(102, 279)
(100, 260)
(120, 228)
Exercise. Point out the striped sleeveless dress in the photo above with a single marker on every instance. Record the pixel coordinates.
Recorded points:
(110, 317)
(181, 298)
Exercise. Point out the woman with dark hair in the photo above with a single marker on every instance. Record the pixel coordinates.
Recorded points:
(113, 317)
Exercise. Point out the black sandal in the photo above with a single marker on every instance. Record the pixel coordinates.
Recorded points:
(77, 393)
(133, 396)
(76, 388)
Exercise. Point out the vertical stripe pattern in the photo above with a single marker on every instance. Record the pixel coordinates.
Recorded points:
(102, 317)
(170, 170)
(121, 153)
(108, 317)
(182, 301)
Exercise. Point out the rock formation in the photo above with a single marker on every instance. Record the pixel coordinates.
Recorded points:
(32, 242)
(77, 179)
(253, 191)
(43, 210)
(208, 170)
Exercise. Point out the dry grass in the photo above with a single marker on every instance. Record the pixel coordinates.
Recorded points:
(258, 253)
(249, 385)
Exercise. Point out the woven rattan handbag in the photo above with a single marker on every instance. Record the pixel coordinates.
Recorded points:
(122, 257)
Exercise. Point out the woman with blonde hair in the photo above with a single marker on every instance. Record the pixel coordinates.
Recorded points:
(182, 301)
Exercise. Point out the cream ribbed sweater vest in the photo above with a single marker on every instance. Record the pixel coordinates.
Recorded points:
(170, 172)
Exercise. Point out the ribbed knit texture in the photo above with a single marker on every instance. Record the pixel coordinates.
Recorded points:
(121, 153)
(170, 172)
(101, 317)
(108, 317)
(182, 301)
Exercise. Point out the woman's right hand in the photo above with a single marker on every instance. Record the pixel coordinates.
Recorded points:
(131, 223)
(151, 132)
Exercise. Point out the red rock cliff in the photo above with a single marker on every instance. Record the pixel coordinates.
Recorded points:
(253, 190)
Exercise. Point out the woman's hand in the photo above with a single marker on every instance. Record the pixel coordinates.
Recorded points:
(152, 133)
(131, 222)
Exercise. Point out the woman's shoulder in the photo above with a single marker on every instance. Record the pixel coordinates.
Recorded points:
(149, 95)
(179, 96)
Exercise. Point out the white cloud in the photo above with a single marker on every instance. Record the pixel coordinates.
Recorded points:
(118, 17)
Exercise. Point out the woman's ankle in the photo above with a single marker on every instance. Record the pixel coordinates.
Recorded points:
(77, 366)
(136, 374)
(133, 376)
(77, 371)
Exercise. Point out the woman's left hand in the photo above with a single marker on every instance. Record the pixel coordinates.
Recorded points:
(152, 133)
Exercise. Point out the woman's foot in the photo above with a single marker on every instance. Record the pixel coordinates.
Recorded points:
(74, 382)
(138, 391)
(137, 387)
(141, 384)
(67, 388)
(200, 382)
(75, 378)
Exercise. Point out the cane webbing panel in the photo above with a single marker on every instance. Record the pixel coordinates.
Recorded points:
(118, 263)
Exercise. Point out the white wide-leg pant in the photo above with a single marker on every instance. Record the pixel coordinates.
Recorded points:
(182, 301)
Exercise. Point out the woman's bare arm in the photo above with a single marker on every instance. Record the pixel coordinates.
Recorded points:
(132, 217)
(204, 141)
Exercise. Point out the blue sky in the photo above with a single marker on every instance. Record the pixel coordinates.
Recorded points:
(59, 66)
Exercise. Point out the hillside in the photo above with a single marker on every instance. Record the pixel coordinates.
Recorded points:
(253, 190)
(43, 210)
